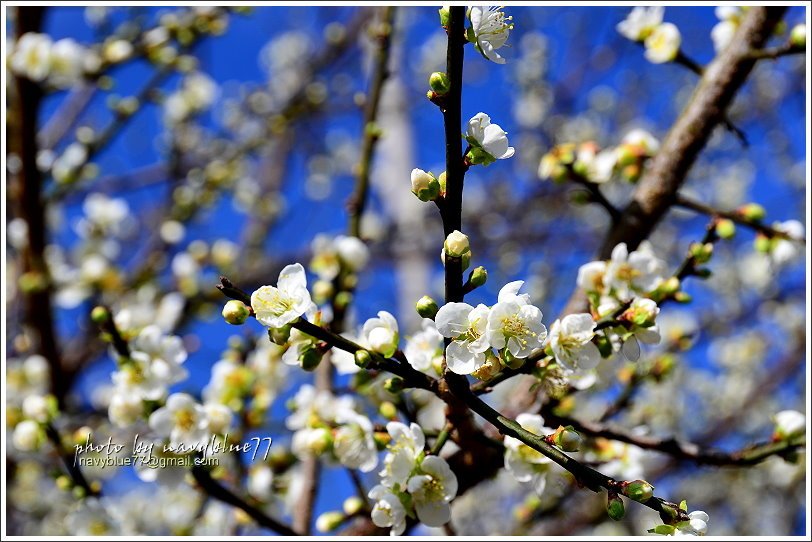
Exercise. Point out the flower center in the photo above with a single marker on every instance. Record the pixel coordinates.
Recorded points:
(185, 419)
(514, 326)
(627, 272)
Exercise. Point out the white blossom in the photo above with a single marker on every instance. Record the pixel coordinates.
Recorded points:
(723, 32)
(183, 420)
(381, 333)
(406, 444)
(783, 250)
(27, 436)
(353, 443)
(697, 525)
(278, 305)
(663, 44)
(32, 56)
(424, 349)
(522, 461)
(432, 490)
(590, 276)
(789, 423)
(125, 409)
(641, 22)
(643, 139)
(467, 326)
(67, 63)
(571, 341)
(488, 137)
(491, 29)
(639, 271)
(388, 511)
(515, 324)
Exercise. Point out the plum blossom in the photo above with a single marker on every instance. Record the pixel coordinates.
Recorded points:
(278, 305)
(406, 444)
(639, 271)
(353, 443)
(488, 141)
(783, 250)
(381, 334)
(571, 341)
(729, 19)
(490, 28)
(32, 56)
(515, 324)
(467, 326)
(424, 349)
(433, 490)
(697, 525)
(641, 22)
(183, 420)
(522, 461)
(663, 44)
(388, 511)
(789, 424)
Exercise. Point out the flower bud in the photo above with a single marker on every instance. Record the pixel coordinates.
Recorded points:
(725, 228)
(424, 185)
(310, 357)
(639, 490)
(479, 276)
(381, 439)
(789, 424)
(567, 438)
(64, 483)
(427, 307)
(683, 297)
(512, 361)
(701, 253)
(445, 16)
(642, 312)
(363, 358)
(323, 290)
(393, 385)
(353, 505)
(615, 507)
(670, 286)
(762, 244)
(478, 156)
(628, 154)
(442, 180)
(797, 36)
(457, 244)
(235, 312)
(329, 521)
(440, 83)
(388, 410)
(99, 315)
(752, 212)
(279, 335)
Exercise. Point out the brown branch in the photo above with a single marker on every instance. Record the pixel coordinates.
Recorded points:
(688, 451)
(694, 205)
(774, 53)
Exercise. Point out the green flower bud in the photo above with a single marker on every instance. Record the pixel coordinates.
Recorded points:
(343, 299)
(478, 277)
(567, 438)
(235, 312)
(797, 36)
(363, 358)
(393, 385)
(440, 83)
(762, 244)
(752, 212)
(511, 361)
(725, 228)
(442, 180)
(329, 521)
(353, 505)
(701, 253)
(615, 507)
(670, 286)
(100, 315)
(310, 357)
(683, 297)
(388, 410)
(427, 307)
(639, 490)
(279, 335)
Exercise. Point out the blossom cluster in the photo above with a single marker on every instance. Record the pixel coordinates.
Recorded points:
(412, 482)
(661, 40)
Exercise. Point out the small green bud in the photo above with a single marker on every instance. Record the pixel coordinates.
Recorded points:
(100, 315)
(279, 335)
(235, 312)
(797, 36)
(445, 16)
(752, 212)
(329, 521)
(683, 297)
(665, 530)
(343, 299)
(615, 507)
(310, 357)
(440, 83)
(512, 361)
(478, 277)
(670, 286)
(353, 505)
(388, 410)
(427, 307)
(567, 438)
(762, 243)
(393, 385)
(363, 358)
(725, 228)
(64, 483)
(701, 253)
(639, 490)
